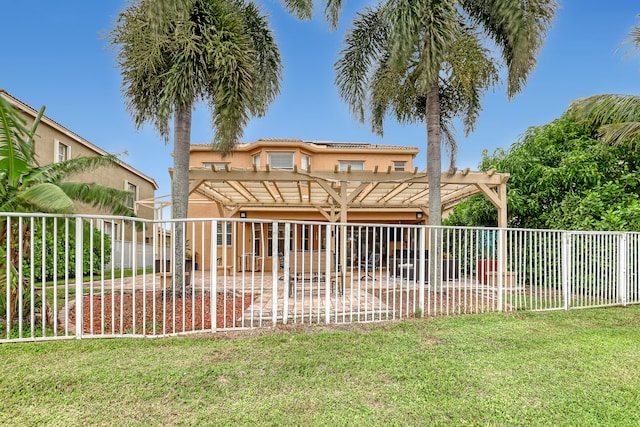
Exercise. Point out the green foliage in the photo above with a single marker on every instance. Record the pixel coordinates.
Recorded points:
(562, 177)
(218, 51)
(60, 250)
(25, 186)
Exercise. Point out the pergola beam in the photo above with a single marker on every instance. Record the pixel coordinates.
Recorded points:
(335, 193)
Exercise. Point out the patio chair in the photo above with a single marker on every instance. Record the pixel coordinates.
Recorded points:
(370, 264)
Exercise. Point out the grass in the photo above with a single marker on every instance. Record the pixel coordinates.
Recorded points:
(557, 368)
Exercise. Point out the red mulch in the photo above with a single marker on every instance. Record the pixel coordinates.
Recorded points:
(119, 313)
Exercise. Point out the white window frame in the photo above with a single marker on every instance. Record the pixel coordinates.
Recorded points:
(305, 162)
(228, 234)
(217, 166)
(272, 155)
(111, 229)
(356, 165)
(399, 166)
(255, 160)
(129, 186)
(56, 151)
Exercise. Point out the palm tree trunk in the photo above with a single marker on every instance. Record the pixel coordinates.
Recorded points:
(434, 155)
(181, 153)
(180, 186)
(434, 168)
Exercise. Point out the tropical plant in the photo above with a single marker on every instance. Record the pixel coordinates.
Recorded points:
(25, 186)
(562, 177)
(616, 116)
(428, 61)
(170, 58)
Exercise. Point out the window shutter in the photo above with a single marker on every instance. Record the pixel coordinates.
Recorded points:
(281, 160)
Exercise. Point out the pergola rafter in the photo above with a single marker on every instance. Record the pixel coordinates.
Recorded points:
(336, 193)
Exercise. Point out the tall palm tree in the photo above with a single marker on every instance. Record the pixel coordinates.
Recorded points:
(428, 61)
(170, 58)
(218, 51)
(25, 186)
(616, 116)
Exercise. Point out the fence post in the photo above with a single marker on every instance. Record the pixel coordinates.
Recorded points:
(502, 254)
(286, 290)
(275, 266)
(340, 278)
(566, 265)
(622, 269)
(79, 276)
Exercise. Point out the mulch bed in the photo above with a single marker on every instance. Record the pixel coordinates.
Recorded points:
(116, 313)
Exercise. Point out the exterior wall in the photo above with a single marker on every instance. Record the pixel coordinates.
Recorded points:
(49, 133)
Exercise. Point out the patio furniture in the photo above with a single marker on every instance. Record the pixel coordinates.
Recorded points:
(309, 267)
(370, 264)
(404, 267)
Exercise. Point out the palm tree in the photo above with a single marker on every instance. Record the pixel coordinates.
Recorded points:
(428, 61)
(617, 117)
(218, 51)
(28, 187)
(25, 186)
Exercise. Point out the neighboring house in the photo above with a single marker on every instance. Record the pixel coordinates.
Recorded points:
(55, 143)
(292, 179)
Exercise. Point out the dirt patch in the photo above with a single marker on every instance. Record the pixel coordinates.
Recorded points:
(157, 313)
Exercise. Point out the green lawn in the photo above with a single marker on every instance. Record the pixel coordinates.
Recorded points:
(580, 367)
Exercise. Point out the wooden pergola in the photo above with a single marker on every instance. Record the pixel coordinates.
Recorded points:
(335, 194)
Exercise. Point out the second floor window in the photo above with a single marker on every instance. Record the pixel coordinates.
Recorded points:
(217, 166)
(399, 166)
(131, 201)
(256, 161)
(356, 165)
(62, 152)
(306, 162)
(283, 161)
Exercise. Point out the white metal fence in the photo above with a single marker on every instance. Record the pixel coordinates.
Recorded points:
(59, 278)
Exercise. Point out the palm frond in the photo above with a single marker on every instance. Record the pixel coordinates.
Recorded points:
(268, 63)
(364, 45)
(43, 197)
(332, 11)
(634, 36)
(302, 9)
(621, 133)
(16, 144)
(55, 172)
(99, 196)
(615, 116)
(518, 28)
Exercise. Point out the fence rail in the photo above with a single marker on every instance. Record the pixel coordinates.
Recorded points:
(60, 275)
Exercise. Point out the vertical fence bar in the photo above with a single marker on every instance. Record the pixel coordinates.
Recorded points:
(566, 266)
(274, 264)
(79, 276)
(285, 294)
(422, 236)
(20, 285)
(622, 269)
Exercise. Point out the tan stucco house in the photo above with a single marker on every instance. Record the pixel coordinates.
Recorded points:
(292, 179)
(54, 143)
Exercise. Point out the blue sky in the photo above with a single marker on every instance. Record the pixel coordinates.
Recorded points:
(55, 54)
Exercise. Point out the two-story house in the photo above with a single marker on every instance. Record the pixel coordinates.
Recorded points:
(313, 181)
(54, 143)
